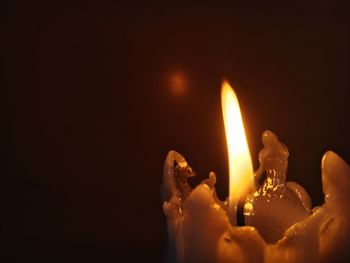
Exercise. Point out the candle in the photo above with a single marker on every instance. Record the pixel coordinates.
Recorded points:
(240, 163)
(281, 225)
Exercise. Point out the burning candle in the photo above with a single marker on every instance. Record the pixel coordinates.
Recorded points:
(240, 163)
(281, 226)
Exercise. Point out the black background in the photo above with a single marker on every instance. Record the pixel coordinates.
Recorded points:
(96, 94)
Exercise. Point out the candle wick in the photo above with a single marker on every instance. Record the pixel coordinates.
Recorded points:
(240, 213)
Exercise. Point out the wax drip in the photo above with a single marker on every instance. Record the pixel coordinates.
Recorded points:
(276, 204)
(175, 176)
(273, 159)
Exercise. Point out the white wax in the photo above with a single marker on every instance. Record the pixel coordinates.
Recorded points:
(200, 230)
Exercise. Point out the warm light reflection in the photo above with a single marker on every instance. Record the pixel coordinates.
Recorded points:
(240, 163)
(177, 83)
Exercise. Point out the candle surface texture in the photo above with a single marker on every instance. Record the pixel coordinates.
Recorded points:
(281, 224)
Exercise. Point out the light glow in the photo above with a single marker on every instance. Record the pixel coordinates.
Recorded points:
(240, 163)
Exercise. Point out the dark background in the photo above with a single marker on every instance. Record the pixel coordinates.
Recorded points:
(95, 94)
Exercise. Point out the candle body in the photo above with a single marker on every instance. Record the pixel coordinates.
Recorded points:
(200, 230)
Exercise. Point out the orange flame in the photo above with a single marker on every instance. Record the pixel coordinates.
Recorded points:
(240, 163)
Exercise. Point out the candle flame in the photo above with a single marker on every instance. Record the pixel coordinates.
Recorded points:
(240, 163)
